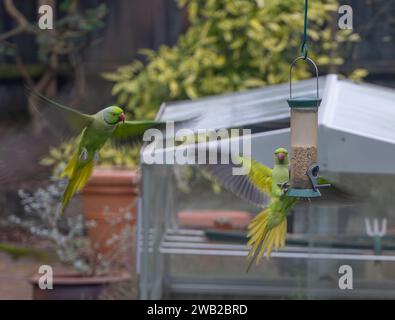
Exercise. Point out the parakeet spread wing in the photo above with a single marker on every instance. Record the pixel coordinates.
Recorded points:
(261, 176)
(255, 186)
(133, 129)
(62, 119)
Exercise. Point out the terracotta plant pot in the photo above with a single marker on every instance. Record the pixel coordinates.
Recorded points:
(221, 219)
(107, 196)
(75, 286)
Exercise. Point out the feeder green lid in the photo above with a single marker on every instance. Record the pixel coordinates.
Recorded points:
(304, 102)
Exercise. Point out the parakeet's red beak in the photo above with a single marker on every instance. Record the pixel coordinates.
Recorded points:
(281, 156)
(122, 117)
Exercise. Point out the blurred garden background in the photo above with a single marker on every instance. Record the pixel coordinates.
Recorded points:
(140, 54)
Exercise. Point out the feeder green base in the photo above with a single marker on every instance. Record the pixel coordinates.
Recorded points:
(303, 193)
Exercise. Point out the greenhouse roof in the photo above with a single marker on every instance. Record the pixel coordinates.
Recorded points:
(239, 109)
(356, 121)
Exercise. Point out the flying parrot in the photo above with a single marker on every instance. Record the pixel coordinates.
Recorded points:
(94, 130)
(266, 188)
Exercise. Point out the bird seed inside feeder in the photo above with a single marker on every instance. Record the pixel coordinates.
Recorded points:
(301, 159)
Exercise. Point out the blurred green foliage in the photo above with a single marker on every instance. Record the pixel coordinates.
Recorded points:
(231, 46)
(17, 252)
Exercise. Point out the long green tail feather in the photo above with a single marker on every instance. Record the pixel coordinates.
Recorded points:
(68, 170)
(78, 177)
(262, 239)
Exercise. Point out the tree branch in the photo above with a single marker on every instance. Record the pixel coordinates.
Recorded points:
(23, 23)
(11, 33)
(9, 6)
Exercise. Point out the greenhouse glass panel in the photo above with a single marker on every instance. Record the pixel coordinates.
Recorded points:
(192, 234)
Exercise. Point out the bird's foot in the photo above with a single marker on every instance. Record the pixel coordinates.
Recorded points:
(283, 187)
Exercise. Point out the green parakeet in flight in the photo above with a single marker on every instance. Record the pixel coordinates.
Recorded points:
(266, 188)
(94, 130)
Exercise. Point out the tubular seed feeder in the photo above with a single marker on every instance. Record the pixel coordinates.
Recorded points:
(304, 137)
(304, 134)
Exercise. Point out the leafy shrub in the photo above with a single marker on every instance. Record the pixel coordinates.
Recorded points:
(231, 46)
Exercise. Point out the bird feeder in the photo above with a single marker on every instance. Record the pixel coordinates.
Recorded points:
(304, 136)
